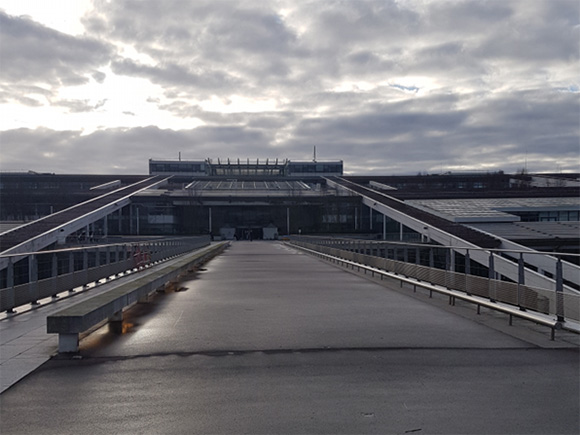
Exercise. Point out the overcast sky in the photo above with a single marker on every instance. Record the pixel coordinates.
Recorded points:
(389, 87)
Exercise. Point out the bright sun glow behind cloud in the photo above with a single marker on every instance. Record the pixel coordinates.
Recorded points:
(62, 15)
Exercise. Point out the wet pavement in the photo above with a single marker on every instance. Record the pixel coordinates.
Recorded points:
(267, 339)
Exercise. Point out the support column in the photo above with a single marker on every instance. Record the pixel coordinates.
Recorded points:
(54, 274)
(33, 279)
(467, 272)
(130, 218)
(86, 267)
(10, 285)
(68, 343)
(384, 227)
(209, 218)
(71, 268)
(116, 322)
(451, 260)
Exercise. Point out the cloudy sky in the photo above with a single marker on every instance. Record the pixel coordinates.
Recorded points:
(388, 86)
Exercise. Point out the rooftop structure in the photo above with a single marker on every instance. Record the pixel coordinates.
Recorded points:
(244, 168)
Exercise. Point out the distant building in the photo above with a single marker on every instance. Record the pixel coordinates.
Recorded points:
(273, 197)
(245, 168)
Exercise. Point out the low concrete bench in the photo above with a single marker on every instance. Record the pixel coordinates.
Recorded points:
(74, 320)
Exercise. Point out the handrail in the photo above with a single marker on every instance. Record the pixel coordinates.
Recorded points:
(559, 302)
(95, 246)
(570, 272)
(538, 318)
(47, 273)
(433, 245)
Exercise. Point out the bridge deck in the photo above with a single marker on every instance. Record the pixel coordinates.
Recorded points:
(271, 340)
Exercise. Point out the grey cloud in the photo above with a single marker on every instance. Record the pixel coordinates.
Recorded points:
(469, 18)
(34, 53)
(32, 96)
(177, 76)
(74, 106)
(260, 120)
(99, 76)
(352, 23)
(501, 74)
(52, 150)
(59, 151)
(79, 106)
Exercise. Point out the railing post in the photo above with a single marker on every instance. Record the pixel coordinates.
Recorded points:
(559, 291)
(33, 279)
(448, 267)
(467, 272)
(86, 267)
(10, 286)
(491, 281)
(54, 275)
(108, 261)
(117, 259)
(71, 268)
(431, 265)
(521, 279)
(97, 259)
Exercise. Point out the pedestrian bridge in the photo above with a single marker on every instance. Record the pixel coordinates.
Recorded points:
(269, 338)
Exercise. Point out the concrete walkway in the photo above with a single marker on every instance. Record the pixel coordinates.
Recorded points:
(267, 339)
(24, 343)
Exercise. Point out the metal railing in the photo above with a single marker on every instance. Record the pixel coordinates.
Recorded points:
(444, 266)
(32, 276)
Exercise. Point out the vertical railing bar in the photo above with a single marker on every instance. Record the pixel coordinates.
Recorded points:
(33, 279)
(491, 281)
(10, 285)
(54, 275)
(559, 291)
